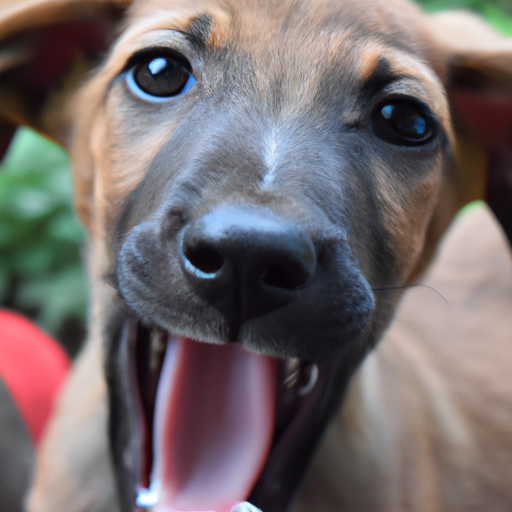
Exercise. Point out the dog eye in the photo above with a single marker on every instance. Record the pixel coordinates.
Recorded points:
(160, 77)
(403, 123)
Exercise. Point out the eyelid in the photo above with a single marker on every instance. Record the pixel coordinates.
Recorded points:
(147, 53)
(407, 88)
(133, 44)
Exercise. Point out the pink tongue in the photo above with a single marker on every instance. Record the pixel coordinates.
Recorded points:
(214, 424)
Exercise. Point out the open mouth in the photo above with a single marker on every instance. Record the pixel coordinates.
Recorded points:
(222, 425)
(197, 426)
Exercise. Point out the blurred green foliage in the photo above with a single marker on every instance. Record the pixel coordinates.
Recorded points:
(40, 237)
(497, 12)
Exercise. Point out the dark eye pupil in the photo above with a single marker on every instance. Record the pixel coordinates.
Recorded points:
(406, 121)
(161, 76)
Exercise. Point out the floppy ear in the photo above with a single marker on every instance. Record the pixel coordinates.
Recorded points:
(46, 47)
(479, 85)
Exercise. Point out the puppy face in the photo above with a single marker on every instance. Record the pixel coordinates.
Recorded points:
(301, 130)
(270, 103)
(258, 175)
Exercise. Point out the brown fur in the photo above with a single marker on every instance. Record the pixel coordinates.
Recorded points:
(445, 367)
(426, 424)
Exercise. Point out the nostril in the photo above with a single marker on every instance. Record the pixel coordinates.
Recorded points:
(203, 257)
(286, 277)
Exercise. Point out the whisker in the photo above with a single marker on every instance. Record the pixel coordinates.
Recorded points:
(406, 286)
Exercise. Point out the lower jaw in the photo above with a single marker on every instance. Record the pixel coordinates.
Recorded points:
(285, 437)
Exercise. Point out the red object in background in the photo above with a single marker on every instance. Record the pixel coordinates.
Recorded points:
(33, 367)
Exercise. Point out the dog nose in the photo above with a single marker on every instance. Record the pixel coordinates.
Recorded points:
(247, 259)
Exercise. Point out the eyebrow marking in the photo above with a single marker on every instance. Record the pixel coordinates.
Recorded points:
(369, 61)
(198, 31)
(381, 76)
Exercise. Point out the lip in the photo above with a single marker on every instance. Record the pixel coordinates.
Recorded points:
(307, 394)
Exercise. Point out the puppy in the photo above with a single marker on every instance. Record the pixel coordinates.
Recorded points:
(260, 182)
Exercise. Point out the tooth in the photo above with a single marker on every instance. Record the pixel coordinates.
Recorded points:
(313, 377)
(157, 343)
(292, 371)
(147, 498)
(245, 507)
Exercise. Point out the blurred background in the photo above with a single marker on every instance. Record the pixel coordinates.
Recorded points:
(41, 240)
